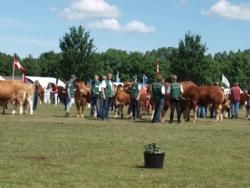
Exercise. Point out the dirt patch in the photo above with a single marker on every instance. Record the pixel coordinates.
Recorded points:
(36, 158)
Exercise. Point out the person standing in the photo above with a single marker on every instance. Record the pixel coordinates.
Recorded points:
(36, 94)
(95, 97)
(135, 95)
(70, 89)
(175, 90)
(248, 101)
(55, 91)
(107, 94)
(158, 92)
(235, 100)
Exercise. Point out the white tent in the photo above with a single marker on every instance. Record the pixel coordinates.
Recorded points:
(1, 78)
(44, 81)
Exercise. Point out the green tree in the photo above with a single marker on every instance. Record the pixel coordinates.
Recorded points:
(77, 53)
(49, 63)
(189, 61)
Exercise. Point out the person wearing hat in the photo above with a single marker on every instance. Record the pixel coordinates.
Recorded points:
(235, 100)
(175, 90)
(158, 92)
(135, 95)
(70, 88)
(95, 97)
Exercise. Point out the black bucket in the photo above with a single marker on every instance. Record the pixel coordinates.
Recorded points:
(154, 160)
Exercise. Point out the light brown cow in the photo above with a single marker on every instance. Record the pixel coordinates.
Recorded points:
(122, 98)
(12, 90)
(82, 97)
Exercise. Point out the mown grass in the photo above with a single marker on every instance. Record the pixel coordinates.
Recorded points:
(48, 150)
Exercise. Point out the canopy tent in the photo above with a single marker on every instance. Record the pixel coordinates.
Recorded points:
(44, 81)
(1, 78)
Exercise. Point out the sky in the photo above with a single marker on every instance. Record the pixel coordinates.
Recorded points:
(31, 27)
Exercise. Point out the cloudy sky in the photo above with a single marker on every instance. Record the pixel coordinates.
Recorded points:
(31, 27)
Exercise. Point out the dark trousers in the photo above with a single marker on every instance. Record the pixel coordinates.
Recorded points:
(158, 109)
(175, 105)
(106, 104)
(96, 105)
(35, 101)
(135, 107)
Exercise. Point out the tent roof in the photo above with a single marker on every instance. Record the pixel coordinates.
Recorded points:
(44, 81)
(1, 78)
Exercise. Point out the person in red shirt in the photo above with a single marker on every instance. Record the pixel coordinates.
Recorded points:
(235, 100)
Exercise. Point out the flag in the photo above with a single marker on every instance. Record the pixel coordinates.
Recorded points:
(16, 64)
(118, 80)
(225, 81)
(145, 79)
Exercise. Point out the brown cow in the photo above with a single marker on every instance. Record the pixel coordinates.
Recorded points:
(205, 95)
(122, 98)
(82, 97)
(12, 90)
(212, 95)
(191, 95)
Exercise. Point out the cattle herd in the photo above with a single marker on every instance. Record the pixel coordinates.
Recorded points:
(19, 93)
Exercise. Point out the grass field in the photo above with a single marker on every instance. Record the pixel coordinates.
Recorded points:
(49, 150)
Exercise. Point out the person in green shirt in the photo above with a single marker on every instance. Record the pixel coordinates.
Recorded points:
(95, 97)
(135, 95)
(70, 88)
(175, 90)
(158, 91)
(107, 95)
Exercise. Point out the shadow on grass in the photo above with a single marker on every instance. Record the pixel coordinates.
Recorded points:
(140, 167)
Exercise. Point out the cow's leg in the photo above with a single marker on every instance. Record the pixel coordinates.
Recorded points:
(116, 110)
(195, 113)
(219, 116)
(83, 109)
(163, 114)
(21, 108)
(4, 107)
(78, 110)
(30, 101)
(122, 107)
(14, 107)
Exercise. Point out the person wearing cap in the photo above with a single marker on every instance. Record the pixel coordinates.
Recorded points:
(135, 95)
(70, 93)
(235, 100)
(158, 92)
(108, 93)
(95, 97)
(175, 90)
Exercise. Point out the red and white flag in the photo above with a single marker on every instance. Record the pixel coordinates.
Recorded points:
(16, 64)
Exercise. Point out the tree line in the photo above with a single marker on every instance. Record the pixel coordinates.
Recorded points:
(190, 61)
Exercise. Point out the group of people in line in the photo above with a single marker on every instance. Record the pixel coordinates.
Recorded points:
(103, 92)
